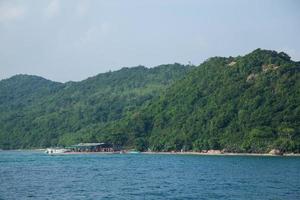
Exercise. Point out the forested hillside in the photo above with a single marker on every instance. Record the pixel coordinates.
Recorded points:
(38, 113)
(247, 103)
(242, 104)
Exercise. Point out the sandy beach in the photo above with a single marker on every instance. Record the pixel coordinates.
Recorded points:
(220, 154)
(209, 153)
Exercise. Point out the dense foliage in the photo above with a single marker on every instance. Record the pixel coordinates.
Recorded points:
(39, 113)
(241, 104)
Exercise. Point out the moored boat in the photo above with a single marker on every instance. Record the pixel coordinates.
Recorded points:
(55, 151)
(133, 152)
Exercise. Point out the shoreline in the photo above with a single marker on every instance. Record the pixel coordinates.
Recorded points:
(212, 153)
(222, 154)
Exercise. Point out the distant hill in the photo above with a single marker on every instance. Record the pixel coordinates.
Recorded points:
(36, 112)
(20, 91)
(247, 103)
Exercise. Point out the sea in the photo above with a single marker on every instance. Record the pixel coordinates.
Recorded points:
(35, 175)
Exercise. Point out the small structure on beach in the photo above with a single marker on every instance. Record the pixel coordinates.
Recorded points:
(92, 147)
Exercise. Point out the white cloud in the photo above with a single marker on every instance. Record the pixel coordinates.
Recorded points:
(9, 12)
(104, 29)
(95, 33)
(53, 8)
(89, 35)
(82, 7)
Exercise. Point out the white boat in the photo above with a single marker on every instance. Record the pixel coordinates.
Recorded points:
(133, 152)
(55, 151)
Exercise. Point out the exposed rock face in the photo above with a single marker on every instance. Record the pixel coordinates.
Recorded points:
(251, 77)
(232, 63)
(269, 67)
(275, 152)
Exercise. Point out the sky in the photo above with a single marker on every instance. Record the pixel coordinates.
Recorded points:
(75, 39)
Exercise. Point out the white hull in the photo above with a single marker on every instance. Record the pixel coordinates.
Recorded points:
(55, 151)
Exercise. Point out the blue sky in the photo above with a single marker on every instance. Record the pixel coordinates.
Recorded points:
(73, 39)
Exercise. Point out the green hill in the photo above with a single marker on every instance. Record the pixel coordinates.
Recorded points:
(241, 104)
(38, 113)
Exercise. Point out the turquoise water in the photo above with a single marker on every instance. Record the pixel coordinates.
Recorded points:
(34, 175)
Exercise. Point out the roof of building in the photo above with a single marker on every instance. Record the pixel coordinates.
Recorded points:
(87, 144)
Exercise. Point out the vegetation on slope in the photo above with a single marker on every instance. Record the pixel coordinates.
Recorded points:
(240, 104)
(39, 113)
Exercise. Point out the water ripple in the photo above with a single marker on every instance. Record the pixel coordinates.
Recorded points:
(33, 175)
